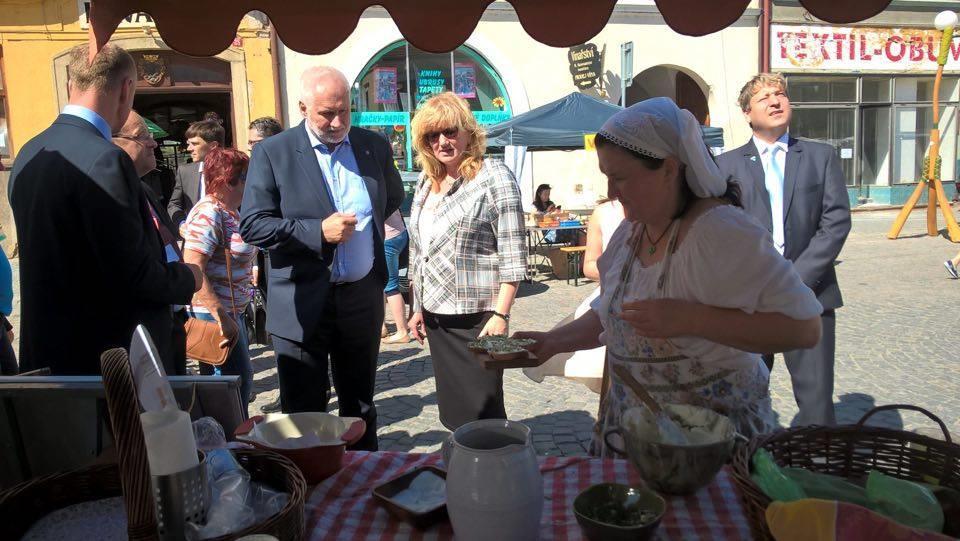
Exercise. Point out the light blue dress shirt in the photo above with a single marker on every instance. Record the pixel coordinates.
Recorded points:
(90, 116)
(353, 259)
(774, 158)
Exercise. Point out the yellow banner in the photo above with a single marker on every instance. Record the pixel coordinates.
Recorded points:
(589, 141)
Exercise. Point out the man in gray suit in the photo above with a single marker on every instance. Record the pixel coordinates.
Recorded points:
(202, 137)
(797, 190)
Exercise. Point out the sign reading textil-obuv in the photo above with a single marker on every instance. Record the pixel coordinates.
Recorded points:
(833, 48)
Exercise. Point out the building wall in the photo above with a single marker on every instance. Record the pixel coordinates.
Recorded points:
(536, 74)
(878, 48)
(35, 34)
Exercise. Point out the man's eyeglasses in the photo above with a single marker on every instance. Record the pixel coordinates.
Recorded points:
(141, 139)
(449, 133)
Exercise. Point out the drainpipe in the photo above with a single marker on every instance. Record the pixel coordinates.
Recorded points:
(766, 7)
(275, 56)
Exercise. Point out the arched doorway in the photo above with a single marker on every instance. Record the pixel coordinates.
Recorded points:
(388, 89)
(674, 83)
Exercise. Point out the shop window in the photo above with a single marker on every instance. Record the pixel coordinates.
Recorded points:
(475, 81)
(384, 87)
(875, 89)
(4, 130)
(822, 89)
(913, 89)
(912, 138)
(400, 76)
(875, 152)
(833, 126)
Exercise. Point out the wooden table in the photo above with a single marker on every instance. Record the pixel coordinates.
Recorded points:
(342, 507)
(535, 239)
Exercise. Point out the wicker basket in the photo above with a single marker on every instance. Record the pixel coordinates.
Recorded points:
(24, 504)
(264, 466)
(850, 452)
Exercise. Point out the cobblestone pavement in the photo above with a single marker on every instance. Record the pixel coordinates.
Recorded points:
(894, 345)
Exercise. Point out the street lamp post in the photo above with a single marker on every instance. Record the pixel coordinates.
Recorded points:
(945, 23)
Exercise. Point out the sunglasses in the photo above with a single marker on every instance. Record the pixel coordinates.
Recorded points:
(449, 133)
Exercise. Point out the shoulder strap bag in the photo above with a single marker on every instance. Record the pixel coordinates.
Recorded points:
(203, 337)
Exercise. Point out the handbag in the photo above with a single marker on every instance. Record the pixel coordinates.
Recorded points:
(203, 337)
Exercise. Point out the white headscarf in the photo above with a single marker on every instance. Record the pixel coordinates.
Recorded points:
(658, 128)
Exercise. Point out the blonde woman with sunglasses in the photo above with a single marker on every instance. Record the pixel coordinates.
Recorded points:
(467, 255)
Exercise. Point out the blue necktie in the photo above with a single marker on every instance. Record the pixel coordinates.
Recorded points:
(774, 181)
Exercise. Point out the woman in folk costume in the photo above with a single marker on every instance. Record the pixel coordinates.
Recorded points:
(693, 290)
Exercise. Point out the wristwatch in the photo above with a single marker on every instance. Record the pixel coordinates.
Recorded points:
(505, 317)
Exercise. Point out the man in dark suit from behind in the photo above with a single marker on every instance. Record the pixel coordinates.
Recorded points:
(797, 190)
(201, 137)
(91, 263)
(168, 333)
(259, 130)
(316, 198)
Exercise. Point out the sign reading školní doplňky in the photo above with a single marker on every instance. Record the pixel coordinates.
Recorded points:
(585, 65)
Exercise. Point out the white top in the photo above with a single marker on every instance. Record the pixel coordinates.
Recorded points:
(610, 215)
(426, 223)
(726, 260)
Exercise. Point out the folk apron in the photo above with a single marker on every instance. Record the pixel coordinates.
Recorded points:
(667, 374)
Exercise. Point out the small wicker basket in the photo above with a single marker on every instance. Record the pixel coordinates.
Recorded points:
(850, 452)
(24, 504)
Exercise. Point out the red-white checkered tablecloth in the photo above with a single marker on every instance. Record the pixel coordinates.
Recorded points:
(342, 507)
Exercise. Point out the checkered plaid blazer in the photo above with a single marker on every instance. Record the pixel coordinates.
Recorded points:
(479, 242)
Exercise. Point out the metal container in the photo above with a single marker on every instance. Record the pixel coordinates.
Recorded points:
(181, 498)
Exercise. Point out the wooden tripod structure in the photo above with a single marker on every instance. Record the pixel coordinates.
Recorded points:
(935, 194)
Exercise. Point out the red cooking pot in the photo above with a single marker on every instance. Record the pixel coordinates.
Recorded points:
(314, 441)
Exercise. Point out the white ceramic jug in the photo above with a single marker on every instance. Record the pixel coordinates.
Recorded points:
(494, 488)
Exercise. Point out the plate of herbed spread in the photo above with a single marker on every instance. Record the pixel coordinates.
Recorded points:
(503, 352)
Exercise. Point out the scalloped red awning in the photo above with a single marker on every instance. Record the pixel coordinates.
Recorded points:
(207, 27)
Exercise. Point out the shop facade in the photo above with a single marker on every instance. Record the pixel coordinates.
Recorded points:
(867, 90)
(173, 90)
(502, 72)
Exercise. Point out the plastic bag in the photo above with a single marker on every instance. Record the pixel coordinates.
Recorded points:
(768, 476)
(236, 502)
(905, 502)
(827, 487)
(209, 434)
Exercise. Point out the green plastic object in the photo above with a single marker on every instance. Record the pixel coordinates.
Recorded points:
(827, 487)
(768, 476)
(906, 502)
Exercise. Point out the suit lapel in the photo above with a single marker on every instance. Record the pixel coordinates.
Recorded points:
(195, 182)
(311, 169)
(794, 155)
(754, 165)
(369, 172)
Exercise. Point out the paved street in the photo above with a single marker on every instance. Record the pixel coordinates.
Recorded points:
(895, 344)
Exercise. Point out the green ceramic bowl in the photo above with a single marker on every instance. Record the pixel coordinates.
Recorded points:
(615, 512)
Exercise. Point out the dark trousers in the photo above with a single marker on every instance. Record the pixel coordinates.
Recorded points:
(811, 373)
(349, 336)
(466, 391)
(8, 359)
